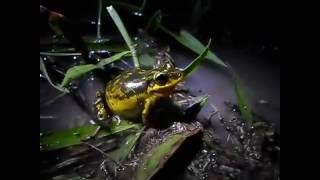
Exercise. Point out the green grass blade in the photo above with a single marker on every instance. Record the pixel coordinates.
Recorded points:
(77, 72)
(125, 149)
(117, 20)
(189, 41)
(243, 102)
(158, 153)
(70, 137)
(197, 62)
(116, 128)
(112, 59)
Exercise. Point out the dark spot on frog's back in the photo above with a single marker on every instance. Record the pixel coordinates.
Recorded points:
(117, 96)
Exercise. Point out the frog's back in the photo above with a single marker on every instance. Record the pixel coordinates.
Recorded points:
(125, 93)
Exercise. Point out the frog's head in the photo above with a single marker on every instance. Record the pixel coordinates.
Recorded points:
(163, 80)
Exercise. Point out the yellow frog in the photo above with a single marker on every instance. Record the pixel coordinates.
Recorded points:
(131, 94)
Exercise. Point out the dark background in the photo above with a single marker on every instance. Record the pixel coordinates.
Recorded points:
(247, 25)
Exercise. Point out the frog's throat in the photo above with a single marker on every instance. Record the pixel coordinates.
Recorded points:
(166, 91)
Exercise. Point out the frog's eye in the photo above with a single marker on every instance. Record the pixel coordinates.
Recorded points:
(161, 78)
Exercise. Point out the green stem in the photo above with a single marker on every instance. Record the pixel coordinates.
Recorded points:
(44, 71)
(117, 20)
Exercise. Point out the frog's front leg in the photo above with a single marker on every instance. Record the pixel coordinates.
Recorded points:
(103, 117)
(147, 106)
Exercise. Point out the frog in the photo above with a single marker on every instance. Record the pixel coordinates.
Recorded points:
(133, 93)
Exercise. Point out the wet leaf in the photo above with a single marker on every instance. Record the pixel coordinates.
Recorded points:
(79, 71)
(76, 72)
(197, 62)
(155, 159)
(74, 136)
(125, 149)
(69, 137)
(189, 41)
(117, 20)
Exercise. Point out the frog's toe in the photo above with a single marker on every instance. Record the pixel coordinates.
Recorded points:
(98, 94)
(116, 119)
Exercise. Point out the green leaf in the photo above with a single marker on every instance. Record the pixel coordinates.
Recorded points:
(77, 72)
(158, 153)
(197, 62)
(243, 103)
(117, 20)
(125, 148)
(69, 137)
(112, 59)
(146, 60)
(155, 159)
(189, 41)
(74, 136)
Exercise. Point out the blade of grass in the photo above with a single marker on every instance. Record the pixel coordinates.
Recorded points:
(197, 62)
(117, 20)
(125, 149)
(112, 59)
(189, 41)
(69, 137)
(243, 102)
(44, 71)
(76, 72)
(59, 54)
(75, 136)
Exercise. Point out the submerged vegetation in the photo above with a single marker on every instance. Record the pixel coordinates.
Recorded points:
(136, 150)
